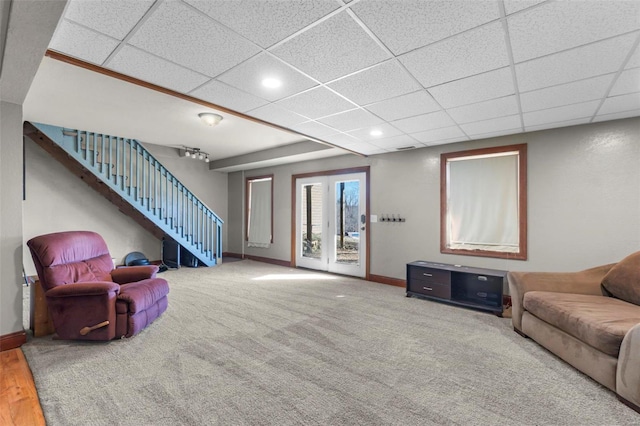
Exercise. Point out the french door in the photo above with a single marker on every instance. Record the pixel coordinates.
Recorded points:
(331, 229)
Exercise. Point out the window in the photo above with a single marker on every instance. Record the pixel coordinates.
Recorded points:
(259, 211)
(483, 202)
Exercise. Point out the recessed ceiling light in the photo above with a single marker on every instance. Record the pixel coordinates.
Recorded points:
(271, 83)
(376, 133)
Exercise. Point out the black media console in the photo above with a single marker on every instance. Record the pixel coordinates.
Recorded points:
(477, 288)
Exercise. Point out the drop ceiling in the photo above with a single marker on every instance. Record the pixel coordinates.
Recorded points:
(419, 72)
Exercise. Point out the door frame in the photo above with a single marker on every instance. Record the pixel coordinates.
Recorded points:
(367, 178)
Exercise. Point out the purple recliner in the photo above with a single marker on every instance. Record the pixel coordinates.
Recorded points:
(87, 298)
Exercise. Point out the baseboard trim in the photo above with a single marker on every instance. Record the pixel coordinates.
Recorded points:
(387, 280)
(13, 340)
(258, 259)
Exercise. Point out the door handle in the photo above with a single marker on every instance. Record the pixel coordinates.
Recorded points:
(362, 229)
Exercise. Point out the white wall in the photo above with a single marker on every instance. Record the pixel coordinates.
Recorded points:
(58, 201)
(583, 187)
(209, 186)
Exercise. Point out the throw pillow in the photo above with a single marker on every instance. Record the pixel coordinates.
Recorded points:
(623, 280)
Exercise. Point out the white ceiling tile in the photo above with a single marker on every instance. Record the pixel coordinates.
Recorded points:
(331, 49)
(275, 114)
(392, 143)
(512, 6)
(115, 18)
(177, 32)
(577, 64)
(82, 43)
(315, 103)
(627, 82)
(366, 148)
(620, 103)
(385, 130)
(422, 22)
(248, 76)
(481, 87)
(556, 26)
(139, 64)
(448, 141)
(446, 133)
(424, 122)
(404, 106)
(634, 60)
(496, 134)
(313, 128)
(485, 110)
(341, 139)
(563, 113)
(617, 115)
(511, 122)
(351, 120)
(566, 94)
(557, 124)
(466, 54)
(265, 22)
(229, 97)
(383, 81)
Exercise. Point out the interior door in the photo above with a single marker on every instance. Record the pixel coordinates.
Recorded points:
(331, 223)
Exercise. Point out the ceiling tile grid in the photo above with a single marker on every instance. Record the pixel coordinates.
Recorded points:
(473, 52)
(180, 34)
(265, 22)
(429, 71)
(374, 85)
(423, 22)
(81, 42)
(249, 76)
(332, 49)
(147, 67)
(114, 18)
(227, 96)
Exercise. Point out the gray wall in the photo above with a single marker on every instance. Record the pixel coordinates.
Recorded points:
(29, 29)
(583, 187)
(10, 218)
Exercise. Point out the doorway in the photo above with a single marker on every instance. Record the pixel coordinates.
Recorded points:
(331, 222)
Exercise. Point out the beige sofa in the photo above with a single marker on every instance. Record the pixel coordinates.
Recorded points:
(590, 319)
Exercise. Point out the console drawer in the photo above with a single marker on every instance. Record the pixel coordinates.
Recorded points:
(429, 275)
(441, 291)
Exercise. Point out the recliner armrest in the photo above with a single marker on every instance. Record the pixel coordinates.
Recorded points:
(87, 304)
(582, 282)
(83, 289)
(129, 274)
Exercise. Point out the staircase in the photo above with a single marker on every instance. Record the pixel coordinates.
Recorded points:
(130, 177)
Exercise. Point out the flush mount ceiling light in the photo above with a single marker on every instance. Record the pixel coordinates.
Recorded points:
(376, 133)
(209, 118)
(271, 83)
(195, 153)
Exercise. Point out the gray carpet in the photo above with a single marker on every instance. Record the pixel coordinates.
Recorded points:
(248, 343)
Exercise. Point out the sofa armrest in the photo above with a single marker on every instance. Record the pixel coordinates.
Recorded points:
(582, 282)
(129, 274)
(628, 371)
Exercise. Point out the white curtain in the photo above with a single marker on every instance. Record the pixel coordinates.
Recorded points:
(260, 214)
(483, 203)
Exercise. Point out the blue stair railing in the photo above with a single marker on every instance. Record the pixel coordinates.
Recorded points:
(125, 166)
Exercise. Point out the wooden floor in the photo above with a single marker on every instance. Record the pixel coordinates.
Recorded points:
(19, 404)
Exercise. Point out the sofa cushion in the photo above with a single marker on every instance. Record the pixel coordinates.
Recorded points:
(623, 280)
(599, 321)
